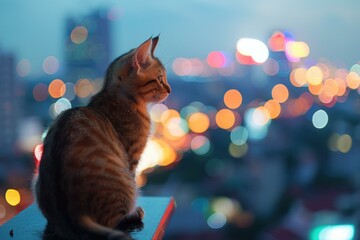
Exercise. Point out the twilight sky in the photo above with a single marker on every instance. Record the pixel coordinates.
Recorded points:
(189, 28)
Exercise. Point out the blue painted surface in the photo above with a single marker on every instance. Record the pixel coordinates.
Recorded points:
(30, 223)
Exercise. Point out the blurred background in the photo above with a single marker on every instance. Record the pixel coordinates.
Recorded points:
(260, 136)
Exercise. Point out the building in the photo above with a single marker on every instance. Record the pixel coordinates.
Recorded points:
(87, 45)
(9, 104)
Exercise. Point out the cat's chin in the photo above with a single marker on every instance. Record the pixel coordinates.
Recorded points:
(160, 97)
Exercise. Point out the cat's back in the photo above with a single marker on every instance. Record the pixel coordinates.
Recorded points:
(83, 159)
(79, 128)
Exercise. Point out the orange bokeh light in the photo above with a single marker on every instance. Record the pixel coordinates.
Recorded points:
(233, 99)
(56, 88)
(225, 119)
(280, 93)
(315, 89)
(198, 122)
(353, 80)
(273, 108)
(298, 77)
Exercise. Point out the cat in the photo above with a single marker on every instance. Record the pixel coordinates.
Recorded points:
(85, 185)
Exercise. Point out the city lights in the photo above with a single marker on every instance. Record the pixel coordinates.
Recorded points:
(51, 65)
(40, 92)
(243, 118)
(253, 49)
(225, 119)
(23, 68)
(79, 34)
(296, 50)
(280, 93)
(38, 151)
(83, 88)
(200, 145)
(12, 197)
(320, 119)
(198, 122)
(238, 151)
(333, 232)
(239, 135)
(216, 221)
(314, 75)
(233, 99)
(56, 88)
(217, 59)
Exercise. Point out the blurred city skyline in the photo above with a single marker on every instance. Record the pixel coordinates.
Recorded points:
(259, 137)
(188, 29)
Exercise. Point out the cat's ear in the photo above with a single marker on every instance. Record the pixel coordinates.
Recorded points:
(154, 43)
(142, 53)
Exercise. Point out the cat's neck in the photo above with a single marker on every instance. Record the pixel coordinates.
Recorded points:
(127, 115)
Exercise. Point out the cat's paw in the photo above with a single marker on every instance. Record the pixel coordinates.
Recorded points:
(140, 212)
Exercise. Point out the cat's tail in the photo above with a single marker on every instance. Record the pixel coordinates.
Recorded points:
(99, 232)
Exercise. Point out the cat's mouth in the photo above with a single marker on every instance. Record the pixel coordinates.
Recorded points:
(161, 80)
(163, 89)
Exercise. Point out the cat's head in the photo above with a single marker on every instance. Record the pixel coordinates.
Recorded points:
(139, 75)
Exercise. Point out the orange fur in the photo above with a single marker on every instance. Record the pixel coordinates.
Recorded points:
(86, 181)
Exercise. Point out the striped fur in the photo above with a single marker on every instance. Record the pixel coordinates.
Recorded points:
(86, 185)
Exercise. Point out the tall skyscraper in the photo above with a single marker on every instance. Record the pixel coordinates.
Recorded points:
(87, 45)
(9, 109)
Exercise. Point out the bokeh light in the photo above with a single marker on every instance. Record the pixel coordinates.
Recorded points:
(198, 122)
(273, 107)
(79, 34)
(83, 88)
(12, 197)
(225, 206)
(233, 99)
(23, 68)
(280, 93)
(217, 59)
(177, 127)
(167, 115)
(253, 48)
(156, 111)
(298, 77)
(314, 75)
(271, 67)
(216, 220)
(238, 151)
(61, 105)
(40, 92)
(320, 119)
(200, 145)
(38, 151)
(182, 66)
(353, 80)
(296, 50)
(225, 119)
(239, 135)
(56, 88)
(50, 65)
(344, 143)
(261, 116)
(277, 41)
(256, 131)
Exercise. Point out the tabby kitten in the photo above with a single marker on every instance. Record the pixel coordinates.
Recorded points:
(85, 186)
